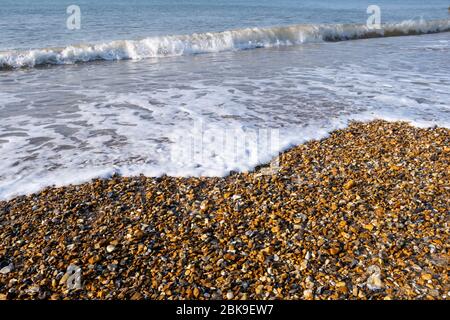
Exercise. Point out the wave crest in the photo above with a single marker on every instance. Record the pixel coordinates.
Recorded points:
(241, 39)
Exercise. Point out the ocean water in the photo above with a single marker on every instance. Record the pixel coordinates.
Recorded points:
(204, 87)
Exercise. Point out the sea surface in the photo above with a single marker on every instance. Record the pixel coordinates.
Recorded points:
(204, 87)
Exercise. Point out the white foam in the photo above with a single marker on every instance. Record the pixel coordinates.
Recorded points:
(177, 45)
(143, 122)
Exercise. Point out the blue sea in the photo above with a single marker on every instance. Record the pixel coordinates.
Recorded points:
(202, 88)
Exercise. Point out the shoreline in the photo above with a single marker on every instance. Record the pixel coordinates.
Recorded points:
(361, 214)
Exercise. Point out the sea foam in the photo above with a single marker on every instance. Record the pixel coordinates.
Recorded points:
(63, 126)
(197, 43)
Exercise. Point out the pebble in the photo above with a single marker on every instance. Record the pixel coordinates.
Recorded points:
(308, 294)
(136, 296)
(7, 269)
(427, 276)
(196, 292)
(374, 281)
(361, 214)
(334, 251)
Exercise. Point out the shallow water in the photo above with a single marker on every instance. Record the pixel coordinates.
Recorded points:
(207, 114)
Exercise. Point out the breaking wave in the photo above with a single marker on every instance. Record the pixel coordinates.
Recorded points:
(241, 39)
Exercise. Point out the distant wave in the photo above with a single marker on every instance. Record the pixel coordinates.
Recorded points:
(177, 45)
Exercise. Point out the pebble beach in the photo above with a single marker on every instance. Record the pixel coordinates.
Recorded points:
(361, 214)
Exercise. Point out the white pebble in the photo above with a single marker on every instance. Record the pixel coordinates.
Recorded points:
(7, 269)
